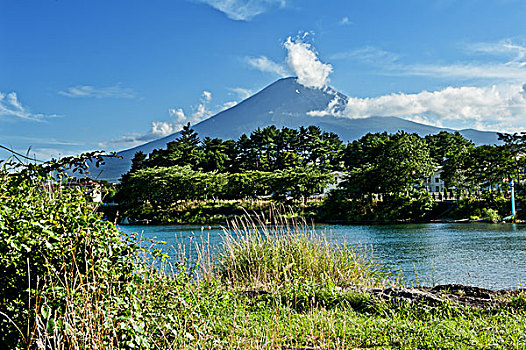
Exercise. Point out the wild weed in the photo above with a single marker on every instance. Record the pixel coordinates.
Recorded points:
(269, 251)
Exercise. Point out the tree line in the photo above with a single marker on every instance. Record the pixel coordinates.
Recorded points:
(296, 163)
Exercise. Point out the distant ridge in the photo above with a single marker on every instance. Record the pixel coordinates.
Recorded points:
(287, 103)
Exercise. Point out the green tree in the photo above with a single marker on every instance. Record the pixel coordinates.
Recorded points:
(138, 161)
(185, 150)
(382, 163)
(298, 183)
(216, 155)
(287, 144)
(245, 157)
(445, 145)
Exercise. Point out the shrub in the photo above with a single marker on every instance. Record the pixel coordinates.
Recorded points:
(491, 215)
(51, 244)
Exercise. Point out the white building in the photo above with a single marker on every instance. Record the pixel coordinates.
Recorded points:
(435, 184)
(339, 177)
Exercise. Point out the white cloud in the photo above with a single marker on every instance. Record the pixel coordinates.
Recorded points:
(369, 55)
(206, 96)
(43, 149)
(334, 108)
(345, 21)
(265, 64)
(243, 10)
(45, 153)
(503, 47)
(503, 61)
(178, 113)
(499, 71)
(127, 141)
(301, 60)
(200, 112)
(11, 107)
(497, 107)
(305, 64)
(229, 104)
(242, 93)
(511, 67)
(165, 128)
(500, 106)
(115, 91)
(161, 129)
(42, 140)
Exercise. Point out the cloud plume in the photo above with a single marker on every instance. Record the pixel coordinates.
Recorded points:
(305, 64)
(301, 61)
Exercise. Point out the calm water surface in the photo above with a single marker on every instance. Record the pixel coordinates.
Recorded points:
(484, 255)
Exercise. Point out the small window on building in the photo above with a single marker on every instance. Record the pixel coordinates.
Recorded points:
(437, 189)
(437, 179)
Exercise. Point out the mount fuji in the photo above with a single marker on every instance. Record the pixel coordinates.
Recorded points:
(290, 104)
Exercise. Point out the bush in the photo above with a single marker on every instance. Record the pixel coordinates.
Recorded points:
(51, 243)
(491, 215)
(474, 207)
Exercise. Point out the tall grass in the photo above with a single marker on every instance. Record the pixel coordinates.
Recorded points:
(273, 250)
(151, 309)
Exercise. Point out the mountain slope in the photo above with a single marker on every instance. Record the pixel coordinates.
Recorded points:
(287, 103)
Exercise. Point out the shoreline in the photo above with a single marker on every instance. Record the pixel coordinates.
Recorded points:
(146, 222)
(221, 211)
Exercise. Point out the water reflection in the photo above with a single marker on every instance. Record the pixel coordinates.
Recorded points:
(484, 255)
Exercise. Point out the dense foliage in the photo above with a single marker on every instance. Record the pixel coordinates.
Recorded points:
(384, 175)
(49, 232)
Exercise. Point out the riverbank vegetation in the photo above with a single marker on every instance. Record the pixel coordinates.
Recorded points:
(71, 281)
(380, 177)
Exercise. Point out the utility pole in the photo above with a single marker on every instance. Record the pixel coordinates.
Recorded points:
(512, 189)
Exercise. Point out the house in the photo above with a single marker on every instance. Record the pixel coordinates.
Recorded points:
(435, 184)
(339, 177)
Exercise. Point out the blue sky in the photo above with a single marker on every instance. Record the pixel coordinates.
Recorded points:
(83, 75)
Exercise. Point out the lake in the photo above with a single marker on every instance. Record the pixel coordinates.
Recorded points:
(478, 254)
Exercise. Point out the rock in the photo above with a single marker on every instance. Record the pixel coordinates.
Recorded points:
(435, 296)
(462, 290)
(411, 295)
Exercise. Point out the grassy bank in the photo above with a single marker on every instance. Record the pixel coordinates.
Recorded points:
(208, 211)
(72, 281)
